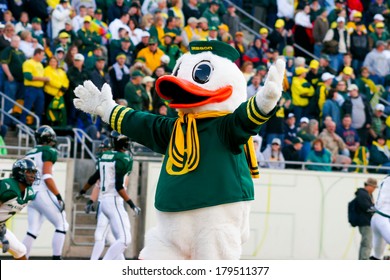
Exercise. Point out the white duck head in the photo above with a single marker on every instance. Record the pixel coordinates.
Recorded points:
(205, 79)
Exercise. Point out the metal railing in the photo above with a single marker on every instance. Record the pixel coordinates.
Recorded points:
(3, 97)
(25, 133)
(26, 141)
(381, 99)
(253, 32)
(84, 227)
(304, 165)
(80, 138)
(64, 144)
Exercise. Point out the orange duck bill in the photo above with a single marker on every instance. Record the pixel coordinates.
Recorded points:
(184, 94)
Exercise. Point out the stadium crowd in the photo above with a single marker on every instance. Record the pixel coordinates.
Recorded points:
(334, 106)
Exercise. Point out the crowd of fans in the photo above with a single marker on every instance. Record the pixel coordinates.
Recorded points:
(334, 107)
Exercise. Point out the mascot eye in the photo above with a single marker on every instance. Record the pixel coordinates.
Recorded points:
(202, 72)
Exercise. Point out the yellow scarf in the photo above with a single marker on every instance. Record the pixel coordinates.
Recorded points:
(370, 84)
(160, 34)
(190, 33)
(179, 13)
(183, 152)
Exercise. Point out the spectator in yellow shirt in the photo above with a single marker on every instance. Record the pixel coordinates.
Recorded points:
(301, 92)
(58, 81)
(54, 91)
(34, 81)
(152, 54)
(203, 28)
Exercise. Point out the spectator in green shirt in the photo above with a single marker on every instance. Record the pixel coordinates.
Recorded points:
(377, 125)
(171, 49)
(380, 33)
(12, 59)
(89, 39)
(211, 14)
(36, 30)
(90, 59)
(135, 93)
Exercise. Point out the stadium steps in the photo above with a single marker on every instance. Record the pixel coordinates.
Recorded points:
(11, 137)
(82, 230)
(83, 225)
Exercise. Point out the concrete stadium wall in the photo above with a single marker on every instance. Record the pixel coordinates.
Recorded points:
(295, 215)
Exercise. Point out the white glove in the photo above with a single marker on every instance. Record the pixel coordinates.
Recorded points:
(137, 210)
(269, 95)
(61, 205)
(89, 207)
(93, 101)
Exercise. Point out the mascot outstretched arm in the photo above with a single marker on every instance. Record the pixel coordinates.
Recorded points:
(205, 187)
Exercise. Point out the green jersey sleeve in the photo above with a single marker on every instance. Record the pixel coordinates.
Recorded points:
(6, 56)
(7, 191)
(152, 131)
(123, 164)
(235, 129)
(49, 154)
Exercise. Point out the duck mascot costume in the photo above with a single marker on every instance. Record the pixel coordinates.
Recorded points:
(205, 186)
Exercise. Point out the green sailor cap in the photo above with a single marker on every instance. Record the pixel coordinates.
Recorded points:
(216, 47)
(137, 73)
(152, 41)
(99, 58)
(140, 59)
(36, 20)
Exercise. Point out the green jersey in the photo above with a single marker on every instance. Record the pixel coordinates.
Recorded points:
(109, 165)
(136, 97)
(12, 200)
(212, 19)
(14, 58)
(174, 53)
(39, 155)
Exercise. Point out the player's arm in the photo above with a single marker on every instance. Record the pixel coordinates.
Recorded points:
(47, 176)
(6, 194)
(122, 192)
(95, 193)
(91, 181)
